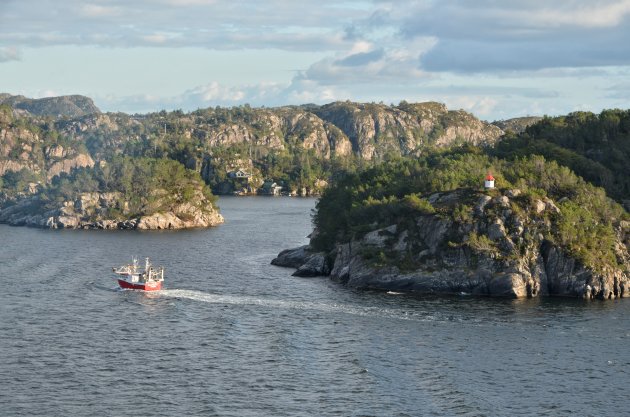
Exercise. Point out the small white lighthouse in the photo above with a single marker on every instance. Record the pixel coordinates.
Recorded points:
(489, 183)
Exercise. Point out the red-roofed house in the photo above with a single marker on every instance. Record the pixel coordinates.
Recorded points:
(489, 181)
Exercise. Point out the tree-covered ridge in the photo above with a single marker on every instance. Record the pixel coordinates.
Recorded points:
(299, 146)
(399, 191)
(596, 147)
(517, 124)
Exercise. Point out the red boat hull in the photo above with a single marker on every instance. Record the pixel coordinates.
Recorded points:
(144, 286)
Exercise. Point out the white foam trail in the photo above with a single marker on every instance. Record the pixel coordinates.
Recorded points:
(297, 305)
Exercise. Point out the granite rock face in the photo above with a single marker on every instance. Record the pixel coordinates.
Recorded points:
(22, 148)
(497, 252)
(338, 129)
(292, 258)
(68, 164)
(375, 129)
(94, 211)
(308, 263)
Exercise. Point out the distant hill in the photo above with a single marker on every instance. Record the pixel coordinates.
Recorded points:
(369, 131)
(517, 124)
(63, 106)
(300, 146)
(297, 147)
(595, 146)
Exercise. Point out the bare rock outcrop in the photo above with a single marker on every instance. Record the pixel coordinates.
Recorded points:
(67, 165)
(376, 129)
(308, 263)
(105, 211)
(499, 251)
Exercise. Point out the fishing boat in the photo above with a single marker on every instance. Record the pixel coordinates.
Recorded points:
(130, 277)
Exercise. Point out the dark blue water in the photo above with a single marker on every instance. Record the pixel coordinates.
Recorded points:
(234, 336)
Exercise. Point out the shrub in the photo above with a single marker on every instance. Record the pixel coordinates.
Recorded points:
(418, 204)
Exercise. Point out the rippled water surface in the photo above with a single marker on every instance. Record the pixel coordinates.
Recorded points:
(232, 335)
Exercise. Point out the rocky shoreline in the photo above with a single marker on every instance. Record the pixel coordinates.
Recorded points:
(94, 211)
(510, 266)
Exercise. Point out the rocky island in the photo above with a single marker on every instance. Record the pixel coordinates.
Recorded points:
(138, 194)
(110, 210)
(429, 226)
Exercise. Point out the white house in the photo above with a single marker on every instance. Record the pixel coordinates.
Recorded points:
(239, 174)
(489, 183)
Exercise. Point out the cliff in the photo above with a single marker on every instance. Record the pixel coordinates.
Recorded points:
(374, 130)
(26, 146)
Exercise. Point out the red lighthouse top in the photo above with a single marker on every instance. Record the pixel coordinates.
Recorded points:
(489, 177)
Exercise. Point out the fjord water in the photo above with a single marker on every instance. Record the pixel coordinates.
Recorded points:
(232, 335)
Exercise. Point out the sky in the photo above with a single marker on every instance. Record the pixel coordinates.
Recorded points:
(497, 59)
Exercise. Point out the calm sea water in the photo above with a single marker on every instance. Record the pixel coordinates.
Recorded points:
(234, 336)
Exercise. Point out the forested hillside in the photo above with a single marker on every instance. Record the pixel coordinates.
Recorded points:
(397, 192)
(596, 147)
(298, 146)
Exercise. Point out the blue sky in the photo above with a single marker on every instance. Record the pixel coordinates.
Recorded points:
(496, 59)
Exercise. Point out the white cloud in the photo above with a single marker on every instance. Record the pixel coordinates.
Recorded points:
(155, 38)
(214, 92)
(479, 36)
(394, 62)
(361, 47)
(479, 55)
(490, 36)
(96, 11)
(299, 91)
(480, 106)
(46, 93)
(214, 24)
(589, 15)
(489, 103)
(188, 2)
(619, 91)
(9, 54)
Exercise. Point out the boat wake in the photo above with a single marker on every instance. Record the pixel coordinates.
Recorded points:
(297, 305)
